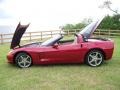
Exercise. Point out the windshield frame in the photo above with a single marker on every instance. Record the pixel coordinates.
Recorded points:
(52, 40)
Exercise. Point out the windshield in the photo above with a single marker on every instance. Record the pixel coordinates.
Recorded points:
(52, 41)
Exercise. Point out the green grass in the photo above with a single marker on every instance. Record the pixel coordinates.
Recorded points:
(61, 77)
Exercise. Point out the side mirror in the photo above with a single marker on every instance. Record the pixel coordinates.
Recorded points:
(55, 46)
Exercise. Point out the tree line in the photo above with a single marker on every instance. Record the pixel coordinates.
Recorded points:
(109, 22)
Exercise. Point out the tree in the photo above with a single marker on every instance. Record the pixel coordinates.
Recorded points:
(111, 22)
(80, 25)
(72, 27)
(68, 26)
(107, 4)
(87, 21)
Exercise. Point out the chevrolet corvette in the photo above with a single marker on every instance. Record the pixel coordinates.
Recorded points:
(83, 49)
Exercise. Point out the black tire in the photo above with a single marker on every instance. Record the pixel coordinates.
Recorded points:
(23, 60)
(94, 58)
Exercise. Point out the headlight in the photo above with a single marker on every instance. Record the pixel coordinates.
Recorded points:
(10, 52)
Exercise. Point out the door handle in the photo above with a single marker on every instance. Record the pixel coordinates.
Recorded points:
(81, 45)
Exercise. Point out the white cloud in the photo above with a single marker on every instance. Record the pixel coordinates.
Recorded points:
(53, 13)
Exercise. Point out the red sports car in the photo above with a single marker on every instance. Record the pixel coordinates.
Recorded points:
(83, 49)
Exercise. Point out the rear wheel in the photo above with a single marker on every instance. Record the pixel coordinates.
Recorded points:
(94, 58)
(23, 60)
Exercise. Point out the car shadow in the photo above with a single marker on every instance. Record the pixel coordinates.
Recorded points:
(59, 65)
(11, 65)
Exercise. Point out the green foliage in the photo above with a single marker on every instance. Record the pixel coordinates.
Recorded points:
(78, 25)
(111, 22)
(68, 26)
(71, 27)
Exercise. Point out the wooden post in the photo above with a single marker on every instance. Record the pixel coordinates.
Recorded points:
(68, 32)
(41, 35)
(60, 32)
(109, 32)
(75, 30)
(1, 38)
(30, 36)
(51, 33)
(99, 32)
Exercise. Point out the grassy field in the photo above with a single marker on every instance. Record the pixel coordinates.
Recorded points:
(61, 77)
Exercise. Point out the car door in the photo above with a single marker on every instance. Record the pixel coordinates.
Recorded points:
(49, 55)
(69, 53)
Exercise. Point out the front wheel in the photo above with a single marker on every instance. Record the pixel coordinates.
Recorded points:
(94, 58)
(23, 60)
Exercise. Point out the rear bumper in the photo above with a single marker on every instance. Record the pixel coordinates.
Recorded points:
(109, 53)
(109, 49)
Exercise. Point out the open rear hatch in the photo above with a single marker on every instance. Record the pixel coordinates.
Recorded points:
(89, 29)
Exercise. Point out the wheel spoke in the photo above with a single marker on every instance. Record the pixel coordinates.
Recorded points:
(96, 62)
(91, 56)
(91, 61)
(24, 64)
(96, 54)
(99, 59)
(27, 57)
(28, 61)
(20, 62)
(22, 57)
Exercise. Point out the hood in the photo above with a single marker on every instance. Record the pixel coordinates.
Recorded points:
(17, 35)
(89, 29)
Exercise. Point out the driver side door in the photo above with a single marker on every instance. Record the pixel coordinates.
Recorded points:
(69, 53)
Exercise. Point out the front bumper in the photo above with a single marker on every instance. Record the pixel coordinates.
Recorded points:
(10, 58)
